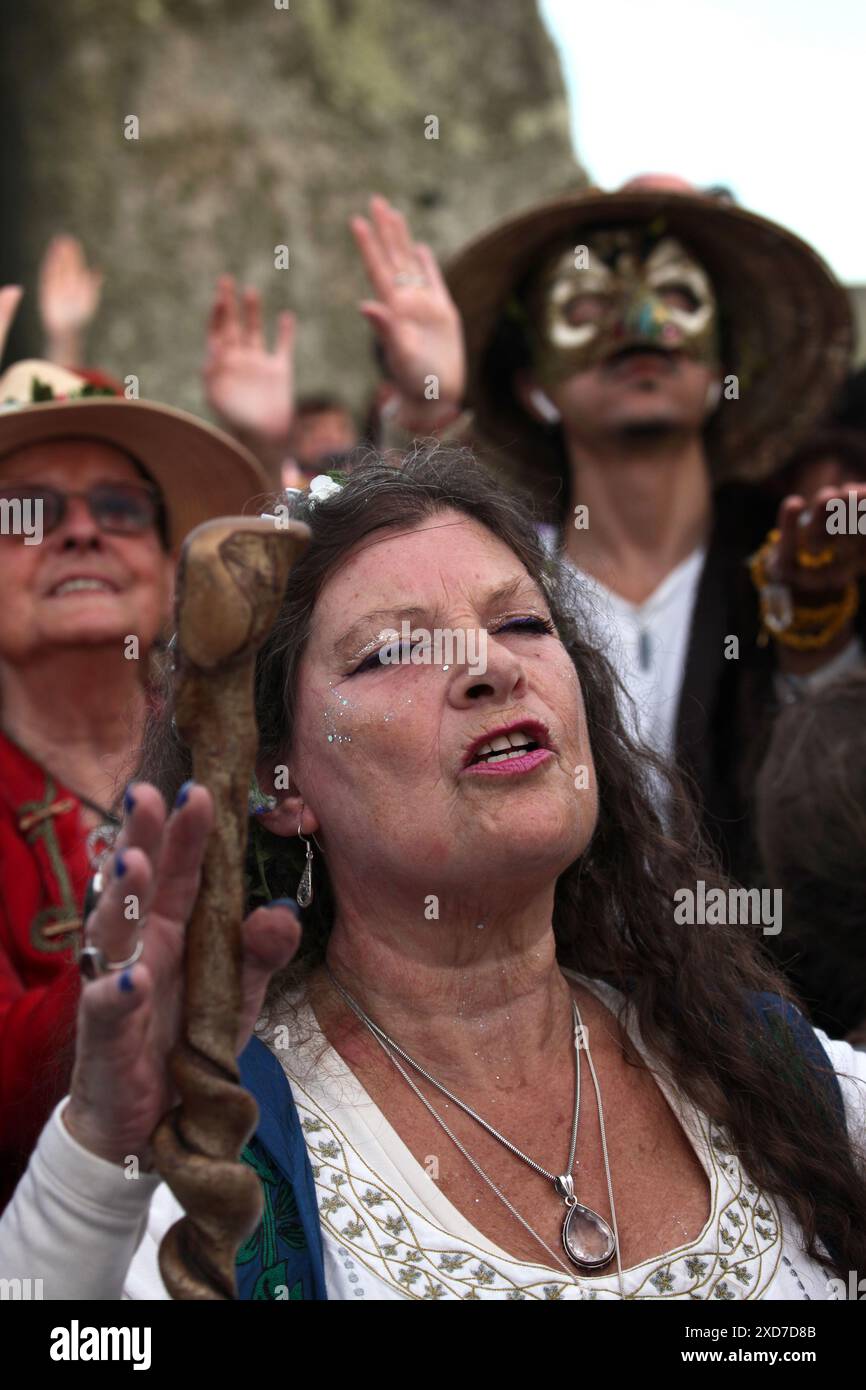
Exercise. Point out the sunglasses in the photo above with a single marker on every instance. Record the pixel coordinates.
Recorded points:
(121, 509)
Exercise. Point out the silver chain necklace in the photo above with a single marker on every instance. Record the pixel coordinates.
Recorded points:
(588, 1240)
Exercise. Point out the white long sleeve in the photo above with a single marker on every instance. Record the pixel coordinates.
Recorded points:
(75, 1221)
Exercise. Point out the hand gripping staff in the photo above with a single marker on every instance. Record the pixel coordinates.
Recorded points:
(231, 580)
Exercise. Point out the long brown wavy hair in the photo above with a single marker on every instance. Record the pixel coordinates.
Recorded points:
(614, 906)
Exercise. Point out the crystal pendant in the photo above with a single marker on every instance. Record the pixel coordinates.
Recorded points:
(778, 608)
(304, 894)
(589, 1242)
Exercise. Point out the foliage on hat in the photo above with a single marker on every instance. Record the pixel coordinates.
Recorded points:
(43, 391)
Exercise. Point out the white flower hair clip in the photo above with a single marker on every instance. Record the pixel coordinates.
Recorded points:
(322, 487)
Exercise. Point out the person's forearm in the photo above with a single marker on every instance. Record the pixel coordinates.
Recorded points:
(74, 1222)
(837, 659)
(270, 452)
(400, 427)
(66, 349)
(424, 417)
(803, 663)
(800, 660)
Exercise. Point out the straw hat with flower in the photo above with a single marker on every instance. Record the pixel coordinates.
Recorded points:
(201, 471)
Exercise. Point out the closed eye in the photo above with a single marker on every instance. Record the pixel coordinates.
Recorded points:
(374, 659)
(534, 625)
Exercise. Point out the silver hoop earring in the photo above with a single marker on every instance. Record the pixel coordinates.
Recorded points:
(304, 895)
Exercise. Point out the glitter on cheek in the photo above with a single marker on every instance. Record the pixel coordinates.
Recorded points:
(390, 715)
(339, 738)
(333, 730)
(340, 706)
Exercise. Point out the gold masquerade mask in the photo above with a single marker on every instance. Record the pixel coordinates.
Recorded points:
(624, 288)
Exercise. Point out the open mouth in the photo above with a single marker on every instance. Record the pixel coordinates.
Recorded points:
(508, 744)
(664, 356)
(81, 586)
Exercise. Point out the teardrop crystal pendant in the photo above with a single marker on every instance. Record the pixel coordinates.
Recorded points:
(304, 894)
(588, 1240)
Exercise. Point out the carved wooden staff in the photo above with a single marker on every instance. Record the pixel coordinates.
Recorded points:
(231, 580)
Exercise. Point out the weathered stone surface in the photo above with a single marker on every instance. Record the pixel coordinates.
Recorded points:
(262, 127)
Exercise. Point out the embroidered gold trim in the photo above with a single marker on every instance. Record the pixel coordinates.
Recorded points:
(52, 926)
(59, 808)
(735, 1256)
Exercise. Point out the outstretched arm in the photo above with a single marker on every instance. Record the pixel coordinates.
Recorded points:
(249, 385)
(81, 1194)
(10, 298)
(821, 559)
(69, 294)
(414, 317)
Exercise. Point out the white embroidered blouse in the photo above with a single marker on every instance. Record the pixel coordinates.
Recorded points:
(388, 1232)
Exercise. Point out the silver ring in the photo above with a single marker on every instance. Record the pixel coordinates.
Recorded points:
(92, 962)
(405, 277)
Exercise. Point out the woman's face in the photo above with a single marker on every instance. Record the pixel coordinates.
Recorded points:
(385, 755)
(124, 583)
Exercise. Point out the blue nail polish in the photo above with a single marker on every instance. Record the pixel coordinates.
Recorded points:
(120, 866)
(183, 795)
(286, 902)
(128, 801)
(124, 984)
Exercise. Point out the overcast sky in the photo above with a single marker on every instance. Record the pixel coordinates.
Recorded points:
(766, 96)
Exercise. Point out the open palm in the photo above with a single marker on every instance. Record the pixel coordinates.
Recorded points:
(128, 1023)
(69, 291)
(414, 315)
(10, 298)
(251, 387)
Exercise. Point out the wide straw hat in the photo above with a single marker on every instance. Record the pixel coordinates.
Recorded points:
(201, 472)
(786, 324)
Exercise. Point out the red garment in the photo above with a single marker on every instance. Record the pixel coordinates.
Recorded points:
(44, 868)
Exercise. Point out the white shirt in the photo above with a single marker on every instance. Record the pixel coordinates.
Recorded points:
(647, 644)
(388, 1231)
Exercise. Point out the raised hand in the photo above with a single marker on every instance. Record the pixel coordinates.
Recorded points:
(815, 558)
(69, 294)
(129, 1022)
(803, 526)
(413, 315)
(249, 386)
(10, 298)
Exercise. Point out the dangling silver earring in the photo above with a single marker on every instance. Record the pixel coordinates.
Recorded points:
(304, 895)
(545, 407)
